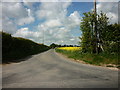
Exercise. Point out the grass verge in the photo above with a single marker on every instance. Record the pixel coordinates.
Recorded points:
(102, 59)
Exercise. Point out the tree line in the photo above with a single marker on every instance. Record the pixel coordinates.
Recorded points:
(53, 45)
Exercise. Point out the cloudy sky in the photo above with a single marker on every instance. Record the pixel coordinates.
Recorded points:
(58, 22)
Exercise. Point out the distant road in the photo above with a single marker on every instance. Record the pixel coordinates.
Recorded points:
(50, 70)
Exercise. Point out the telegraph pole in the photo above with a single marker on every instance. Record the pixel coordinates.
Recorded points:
(95, 6)
(118, 12)
(95, 27)
(42, 41)
(43, 36)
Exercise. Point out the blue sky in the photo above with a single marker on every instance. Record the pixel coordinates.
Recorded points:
(60, 21)
(81, 7)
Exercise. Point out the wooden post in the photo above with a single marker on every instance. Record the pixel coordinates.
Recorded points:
(43, 36)
(95, 6)
(95, 28)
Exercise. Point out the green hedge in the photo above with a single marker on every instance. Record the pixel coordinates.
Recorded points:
(14, 48)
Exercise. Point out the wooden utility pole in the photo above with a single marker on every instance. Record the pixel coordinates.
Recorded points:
(43, 36)
(95, 27)
(95, 6)
(118, 12)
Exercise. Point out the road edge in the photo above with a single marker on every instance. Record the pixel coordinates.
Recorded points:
(82, 62)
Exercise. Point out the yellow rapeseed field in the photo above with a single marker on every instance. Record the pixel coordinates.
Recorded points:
(70, 48)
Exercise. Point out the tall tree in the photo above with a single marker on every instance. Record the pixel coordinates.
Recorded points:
(112, 38)
(93, 27)
(88, 34)
(102, 29)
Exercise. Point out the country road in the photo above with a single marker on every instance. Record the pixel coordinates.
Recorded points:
(51, 70)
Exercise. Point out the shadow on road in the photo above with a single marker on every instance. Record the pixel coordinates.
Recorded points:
(21, 59)
(18, 60)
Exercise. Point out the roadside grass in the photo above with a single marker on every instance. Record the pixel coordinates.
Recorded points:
(106, 59)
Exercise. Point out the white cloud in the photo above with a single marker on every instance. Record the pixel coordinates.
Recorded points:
(73, 20)
(107, 0)
(52, 10)
(23, 32)
(26, 20)
(59, 36)
(14, 10)
(8, 25)
(57, 24)
(52, 23)
(14, 14)
(110, 8)
(75, 16)
(28, 3)
(26, 33)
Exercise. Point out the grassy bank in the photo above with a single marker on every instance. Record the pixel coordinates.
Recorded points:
(14, 48)
(109, 60)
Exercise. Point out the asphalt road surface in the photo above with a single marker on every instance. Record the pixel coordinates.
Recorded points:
(51, 70)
